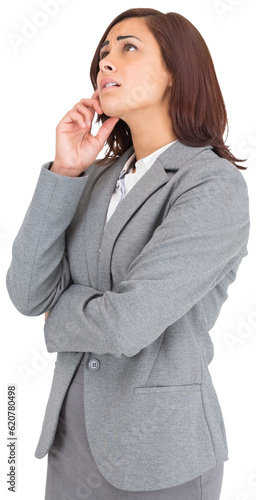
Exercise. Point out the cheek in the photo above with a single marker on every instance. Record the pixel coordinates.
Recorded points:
(149, 83)
(155, 78)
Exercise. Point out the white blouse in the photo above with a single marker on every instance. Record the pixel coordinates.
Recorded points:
(131, 178)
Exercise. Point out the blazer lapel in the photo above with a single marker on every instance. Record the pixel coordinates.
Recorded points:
(152, 180)
(97, 211)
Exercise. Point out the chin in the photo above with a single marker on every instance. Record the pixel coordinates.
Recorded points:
(114, 107)
(110, 111)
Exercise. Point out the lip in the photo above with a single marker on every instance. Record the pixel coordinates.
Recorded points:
(104, 82)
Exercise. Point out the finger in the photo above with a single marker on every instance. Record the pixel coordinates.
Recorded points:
(74, 116)
(95, 93)
(96, 96)
(94, 104)
(106, 129)
(93, 101)
(87, 112)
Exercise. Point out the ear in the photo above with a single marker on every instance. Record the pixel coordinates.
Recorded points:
(170, 81)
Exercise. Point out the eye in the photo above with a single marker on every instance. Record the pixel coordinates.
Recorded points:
(127, 46)
(102, 55)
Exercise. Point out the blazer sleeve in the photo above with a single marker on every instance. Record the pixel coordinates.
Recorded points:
(201, 240)
(39, 271)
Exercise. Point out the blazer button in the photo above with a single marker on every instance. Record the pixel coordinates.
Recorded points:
(94, 364)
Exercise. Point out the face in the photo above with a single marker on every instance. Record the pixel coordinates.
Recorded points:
(132, 58)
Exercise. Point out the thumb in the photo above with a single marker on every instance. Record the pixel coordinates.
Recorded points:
(106, 129)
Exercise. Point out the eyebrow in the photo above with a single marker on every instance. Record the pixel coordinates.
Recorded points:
(120, 38)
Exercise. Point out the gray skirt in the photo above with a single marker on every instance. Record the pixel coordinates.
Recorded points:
(72, 473)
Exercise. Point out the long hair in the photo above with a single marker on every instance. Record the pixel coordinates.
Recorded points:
(196, 105)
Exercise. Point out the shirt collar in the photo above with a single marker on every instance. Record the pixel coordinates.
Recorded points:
(149, 160)
(146, 162)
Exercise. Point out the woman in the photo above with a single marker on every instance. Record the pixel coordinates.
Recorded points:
(132, 257)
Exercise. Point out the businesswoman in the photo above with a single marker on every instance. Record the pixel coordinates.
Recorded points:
(130, 257)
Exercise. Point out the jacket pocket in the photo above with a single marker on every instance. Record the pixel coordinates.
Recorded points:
(168, 432)
(166, 388)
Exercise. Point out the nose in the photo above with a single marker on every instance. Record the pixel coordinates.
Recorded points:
(106, 65)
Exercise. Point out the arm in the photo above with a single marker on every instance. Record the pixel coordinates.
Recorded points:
(201, 240)
(39, 271)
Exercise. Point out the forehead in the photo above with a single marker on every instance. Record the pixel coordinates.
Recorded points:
(135, 26)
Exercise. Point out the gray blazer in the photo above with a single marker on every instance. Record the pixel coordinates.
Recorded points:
(139, 297)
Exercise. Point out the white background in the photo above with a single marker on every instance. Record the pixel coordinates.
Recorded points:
(41, 80)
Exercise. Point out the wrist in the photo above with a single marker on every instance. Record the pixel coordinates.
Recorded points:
(58, 169)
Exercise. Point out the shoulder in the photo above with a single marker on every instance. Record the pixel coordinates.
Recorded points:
(210, 188)
(206, 170)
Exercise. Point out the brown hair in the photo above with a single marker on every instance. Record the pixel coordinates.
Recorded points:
(196, 105)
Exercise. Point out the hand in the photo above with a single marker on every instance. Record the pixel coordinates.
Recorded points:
(45, 316)
(76, 147)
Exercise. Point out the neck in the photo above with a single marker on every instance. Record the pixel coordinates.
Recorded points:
(149, 132)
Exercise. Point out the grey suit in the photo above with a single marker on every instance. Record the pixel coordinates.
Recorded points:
(140, 297)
